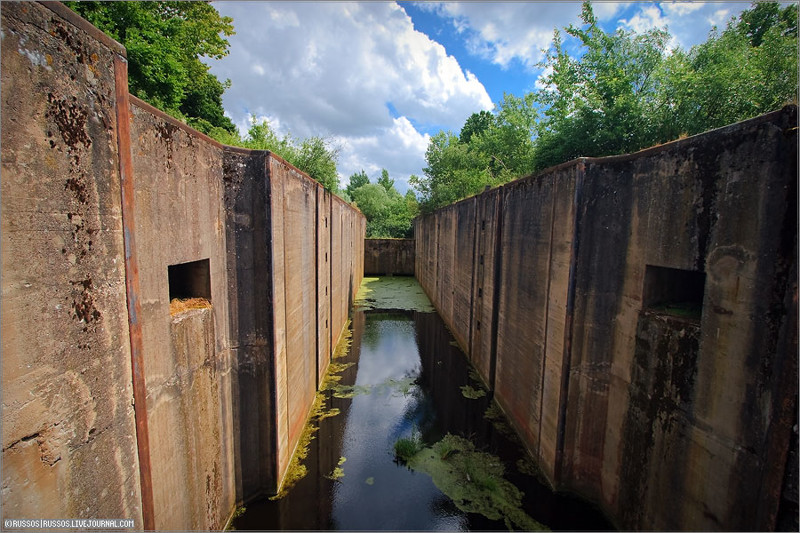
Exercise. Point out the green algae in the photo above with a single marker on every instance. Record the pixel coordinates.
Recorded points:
(496, 416)
(337, 473)
(392, 293)
(474, 481)
(473, 394)
(320, 410)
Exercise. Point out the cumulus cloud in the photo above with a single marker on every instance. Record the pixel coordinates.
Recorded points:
(330, 69)
(506, 32)
(689, 23)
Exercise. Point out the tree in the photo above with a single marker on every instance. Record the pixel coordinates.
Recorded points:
(384, 181)
(357, 180)
(748, 69)
(476, 123)
(602, 102)
(313, 155)
(165, 42)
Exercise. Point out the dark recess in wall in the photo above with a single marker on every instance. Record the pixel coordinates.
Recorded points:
(190, 280)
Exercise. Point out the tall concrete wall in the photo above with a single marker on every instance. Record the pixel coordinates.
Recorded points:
(112, 405)
(388, 257)
(69, 441)
(669, 419)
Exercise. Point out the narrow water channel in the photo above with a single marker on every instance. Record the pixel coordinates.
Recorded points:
(407, 438)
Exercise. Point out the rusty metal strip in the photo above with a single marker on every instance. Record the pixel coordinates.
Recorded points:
(132, 289)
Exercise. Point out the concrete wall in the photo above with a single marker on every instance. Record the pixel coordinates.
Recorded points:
(386, 257)
(115, 407)
(668, 422)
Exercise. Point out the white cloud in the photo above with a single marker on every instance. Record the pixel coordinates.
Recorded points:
(608, 10)
(399, 148)
(507, 31)
(330, 68)
(689, 23)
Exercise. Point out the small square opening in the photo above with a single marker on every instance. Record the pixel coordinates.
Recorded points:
(190, 280)
(674, 291)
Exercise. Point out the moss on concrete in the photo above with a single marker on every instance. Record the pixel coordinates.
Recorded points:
(392, 293)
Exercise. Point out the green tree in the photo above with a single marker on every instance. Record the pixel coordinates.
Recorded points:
(357, 179)
(748, 69)
(602, 101)
(384, 181)
(313, 155)
(476, 123)
(165, 42)
(453, 172)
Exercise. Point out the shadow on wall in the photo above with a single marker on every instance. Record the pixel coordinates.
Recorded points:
(631, 312)
(217, 387)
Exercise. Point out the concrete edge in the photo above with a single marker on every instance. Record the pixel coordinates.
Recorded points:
(620, 158)
(81, 23)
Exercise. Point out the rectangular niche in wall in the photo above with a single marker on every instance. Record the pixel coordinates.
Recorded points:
(674, 291)
(190, 280)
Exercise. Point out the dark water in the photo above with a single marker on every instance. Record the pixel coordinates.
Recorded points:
(408, 376)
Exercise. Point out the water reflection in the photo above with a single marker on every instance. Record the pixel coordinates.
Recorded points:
(408, 377)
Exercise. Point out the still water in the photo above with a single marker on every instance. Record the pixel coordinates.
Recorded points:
(408, 439)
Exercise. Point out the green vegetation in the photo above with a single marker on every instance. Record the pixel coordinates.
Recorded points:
(388, 213)
(473, 394)
(165, 42)
(319, 411)
(619, 93)
(398, 292)
(406, 448)
(472, 479)
(337, 473)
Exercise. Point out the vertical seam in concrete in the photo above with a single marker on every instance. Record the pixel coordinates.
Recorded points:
(498, 262)
(567, 356)
(132, 289)
(546, 318)
(270, 330)
(317, 241)
(330, 278)
(282, 199)
(475, 223)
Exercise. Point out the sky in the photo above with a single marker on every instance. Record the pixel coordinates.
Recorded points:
(378, 79)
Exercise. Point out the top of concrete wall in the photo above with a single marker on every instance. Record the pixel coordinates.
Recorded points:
(789, 111)
(76, 20)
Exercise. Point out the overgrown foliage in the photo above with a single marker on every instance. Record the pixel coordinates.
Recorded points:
(165, 42)
(388, 213)
(619, 93)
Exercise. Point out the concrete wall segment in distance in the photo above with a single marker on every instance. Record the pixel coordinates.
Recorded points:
(69, 426)
(387, 257)
(666, 423)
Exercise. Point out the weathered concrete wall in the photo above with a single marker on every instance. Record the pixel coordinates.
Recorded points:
(116, 407)
(387, 257)
(69, 443)
(667, 422)
(180, 218)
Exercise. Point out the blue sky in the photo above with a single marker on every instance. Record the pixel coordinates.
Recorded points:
(379, 78)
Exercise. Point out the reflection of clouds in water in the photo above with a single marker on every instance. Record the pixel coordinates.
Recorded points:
(392, 352)
(374, 422)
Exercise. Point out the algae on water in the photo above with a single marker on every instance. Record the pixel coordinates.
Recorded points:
(319, 411)
(473, 394)
(392, 293)
(474, 481)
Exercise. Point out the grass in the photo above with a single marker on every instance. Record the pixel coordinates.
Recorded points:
(180, 305)
(406, 448)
